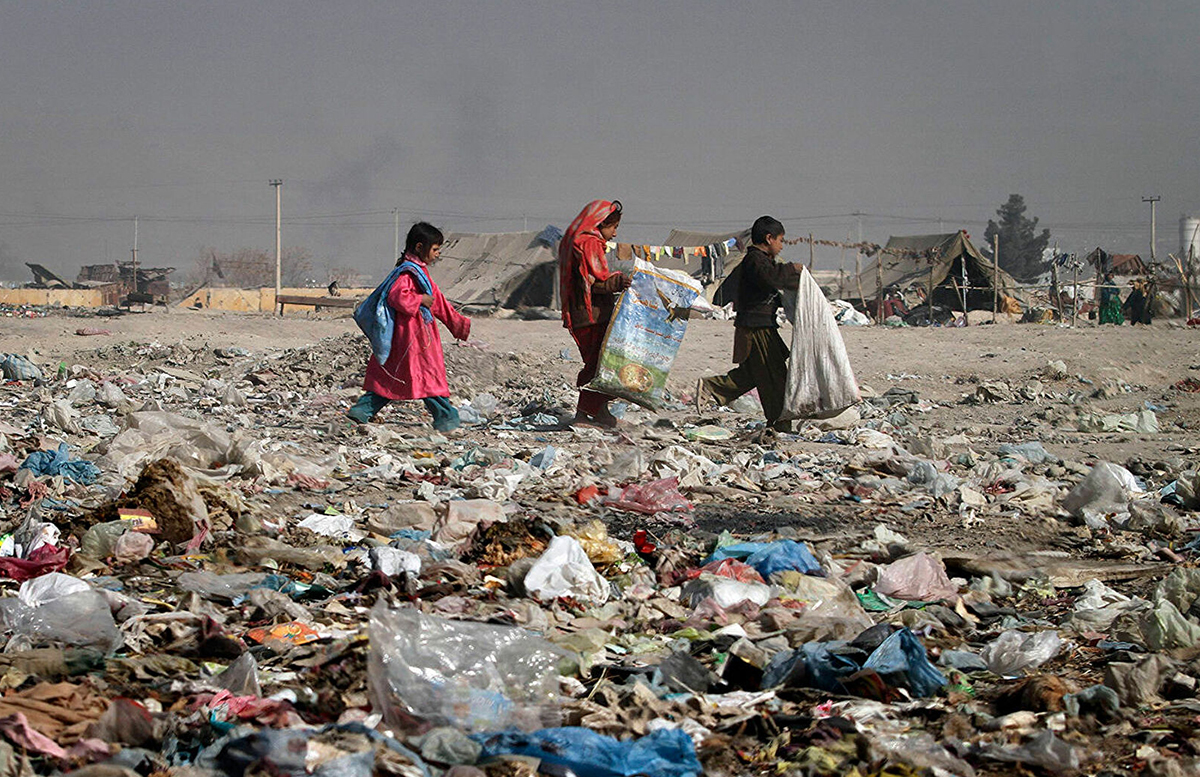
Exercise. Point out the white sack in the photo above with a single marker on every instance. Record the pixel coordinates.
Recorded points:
(820, 382)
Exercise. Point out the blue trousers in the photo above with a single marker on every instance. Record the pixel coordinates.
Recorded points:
(445, 415)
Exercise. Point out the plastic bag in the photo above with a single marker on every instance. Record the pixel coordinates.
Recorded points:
(469, 675)
(1013, 651)
(919, 577)
(820, 381)
(1181, 588)
(60, 608)
(1106, 488)
(734, 570)
(771, 557)
(725, 591)
(824, 598)
(393, 561)
(662, 753)
(82, 393)
(600, 548)
(902, 661)
(1045, 750)
(647, 326)
(157, 434)
(133, 546)
(100, 541)
(112, 396)
(1143, 421)
(565, 571)
(812, 665)
(16, 367)
(658, 496)
(59, 462)
(214, 586)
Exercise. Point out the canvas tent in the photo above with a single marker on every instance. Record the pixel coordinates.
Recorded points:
(906, 263)
(508, 269)
(711, 274)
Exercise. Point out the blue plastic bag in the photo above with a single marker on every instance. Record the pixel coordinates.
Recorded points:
(665, 753)
(901, 660)
(59, 462)
(770, 557)
(812, 665)
(376, 318)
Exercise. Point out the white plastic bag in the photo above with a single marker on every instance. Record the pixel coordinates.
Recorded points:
(60, 608)
(564, 570)
(1014, 651)
(647, 326)
(820, 381)
(472, 676)
(725, 591)
(1106, 489)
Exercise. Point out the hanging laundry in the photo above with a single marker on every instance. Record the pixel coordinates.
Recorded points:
(624, 252)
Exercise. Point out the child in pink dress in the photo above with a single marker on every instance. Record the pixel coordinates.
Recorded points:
(415, 368)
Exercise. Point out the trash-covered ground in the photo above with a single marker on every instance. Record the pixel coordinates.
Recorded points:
(987, 567)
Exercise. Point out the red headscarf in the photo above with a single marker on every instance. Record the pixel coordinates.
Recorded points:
(581, 259)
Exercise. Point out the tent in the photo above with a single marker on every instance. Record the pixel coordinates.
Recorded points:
(1117, 264)
(954, 261)
(508, 269)
(712, 274)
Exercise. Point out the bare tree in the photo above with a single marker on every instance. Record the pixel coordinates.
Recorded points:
(253, 268)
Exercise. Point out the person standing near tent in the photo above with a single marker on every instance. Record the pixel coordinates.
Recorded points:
(1110, 302)
(414, 367)
(588, 290)
(758, 350)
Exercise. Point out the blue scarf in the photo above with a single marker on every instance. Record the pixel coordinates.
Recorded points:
(423, 283)
(377, 319)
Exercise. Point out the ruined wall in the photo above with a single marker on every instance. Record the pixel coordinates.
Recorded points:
(81, 298)
(254, 300)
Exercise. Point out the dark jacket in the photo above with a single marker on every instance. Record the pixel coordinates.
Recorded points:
(761, 278)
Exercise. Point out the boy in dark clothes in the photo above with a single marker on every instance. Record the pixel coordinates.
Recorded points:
(758, 350)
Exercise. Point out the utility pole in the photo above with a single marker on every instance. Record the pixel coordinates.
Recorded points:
(135, 241)
(1153, 227)
(396, 237)
(278, 184)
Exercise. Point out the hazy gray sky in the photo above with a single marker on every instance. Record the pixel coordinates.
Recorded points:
(480, 115)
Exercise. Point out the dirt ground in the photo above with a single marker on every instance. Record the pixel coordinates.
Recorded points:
(301, 372)
(941, 364)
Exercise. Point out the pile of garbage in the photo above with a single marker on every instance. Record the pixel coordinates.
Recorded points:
(207, 569)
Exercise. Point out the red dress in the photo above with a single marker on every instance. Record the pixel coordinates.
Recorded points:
(587, 290)
(416, 367)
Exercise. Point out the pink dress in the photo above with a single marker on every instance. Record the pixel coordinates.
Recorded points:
(415, 368)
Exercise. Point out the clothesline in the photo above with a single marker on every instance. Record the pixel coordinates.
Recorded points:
(722, 248)
(717, 250)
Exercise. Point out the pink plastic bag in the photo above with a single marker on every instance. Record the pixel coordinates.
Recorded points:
(919, 577)
(659, 496)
